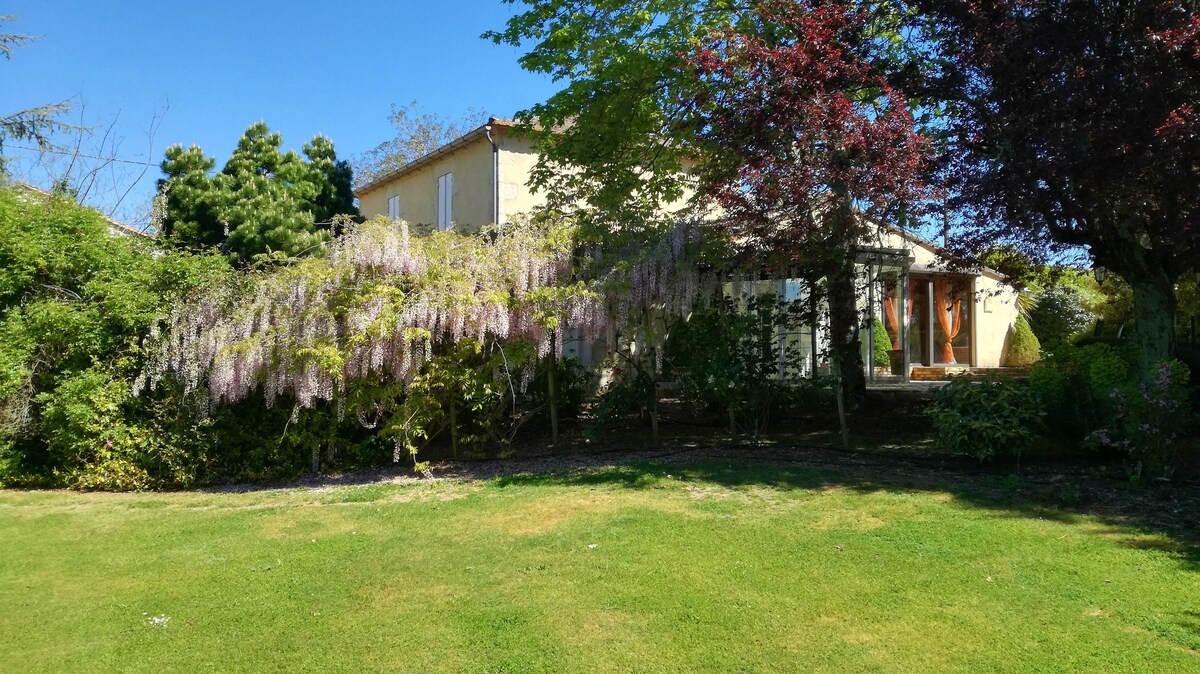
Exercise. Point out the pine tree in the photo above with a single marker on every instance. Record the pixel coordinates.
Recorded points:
(263, 200)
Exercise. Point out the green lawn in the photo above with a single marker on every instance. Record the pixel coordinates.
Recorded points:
(643, 568)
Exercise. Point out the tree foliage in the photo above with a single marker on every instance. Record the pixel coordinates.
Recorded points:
(805, 145)
(779, 112)
(37, 124)
(1074, 124)
(614, 122)
(75, 302)
(1058, 315)
(263, 200)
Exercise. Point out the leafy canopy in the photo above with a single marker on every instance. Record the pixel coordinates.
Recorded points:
(624, 90)
(1074, 125)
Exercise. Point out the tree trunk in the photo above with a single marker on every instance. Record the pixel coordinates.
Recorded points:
(845, 347)
(654, 433)
(844, 344)
(552, 386)
(454, 429)
(1154, 316)
(841, 410)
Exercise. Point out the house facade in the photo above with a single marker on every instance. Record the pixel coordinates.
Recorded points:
(475, 180)
(935, 320)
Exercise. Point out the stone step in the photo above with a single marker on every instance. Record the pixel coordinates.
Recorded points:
(944, 373)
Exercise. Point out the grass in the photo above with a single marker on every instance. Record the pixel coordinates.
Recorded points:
(706, 567)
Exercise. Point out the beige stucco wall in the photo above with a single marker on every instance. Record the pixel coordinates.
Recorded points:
(995, 313)
(517, 159)
(471, 164)
(417, 189)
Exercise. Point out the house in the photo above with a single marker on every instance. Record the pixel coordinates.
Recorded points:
(471, 181)
(938, 322)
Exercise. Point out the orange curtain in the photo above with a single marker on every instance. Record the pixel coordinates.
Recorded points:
(949, 315)
(889, 310)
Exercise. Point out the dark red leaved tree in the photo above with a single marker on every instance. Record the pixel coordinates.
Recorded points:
(804, 142)
(1078, 124)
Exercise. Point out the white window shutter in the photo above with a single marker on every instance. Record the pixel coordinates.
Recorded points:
(393, 207)
(445, 214)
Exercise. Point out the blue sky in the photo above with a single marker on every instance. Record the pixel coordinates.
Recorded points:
(210, 69)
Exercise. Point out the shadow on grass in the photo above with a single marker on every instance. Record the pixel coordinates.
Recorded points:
(1170, 510)
(1191, 622)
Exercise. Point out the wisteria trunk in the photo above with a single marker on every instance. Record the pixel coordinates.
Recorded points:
(654, 433)
(552, 387)
(454, 430)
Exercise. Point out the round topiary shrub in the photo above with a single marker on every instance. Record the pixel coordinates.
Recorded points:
(1023, 346)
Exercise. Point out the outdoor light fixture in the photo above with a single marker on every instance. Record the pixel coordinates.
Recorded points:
(1101, 274)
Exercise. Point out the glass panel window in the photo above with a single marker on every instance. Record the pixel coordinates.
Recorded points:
(891, 314)
(918, 321)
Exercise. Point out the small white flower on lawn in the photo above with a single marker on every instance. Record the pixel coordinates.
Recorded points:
(159, 620)
(593, 546)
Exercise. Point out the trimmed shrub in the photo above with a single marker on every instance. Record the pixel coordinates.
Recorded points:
(883, 344)
(986, 418)
(1023, 346)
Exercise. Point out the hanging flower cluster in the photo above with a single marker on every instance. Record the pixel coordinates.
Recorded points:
(649, 286)
(373, 307)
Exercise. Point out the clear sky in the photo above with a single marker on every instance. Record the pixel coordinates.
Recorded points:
(210, 69)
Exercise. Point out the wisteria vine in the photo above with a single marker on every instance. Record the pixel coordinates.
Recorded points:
(375, 306)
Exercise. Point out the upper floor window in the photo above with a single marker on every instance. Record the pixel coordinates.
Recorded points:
(393, 205)
(445, 203)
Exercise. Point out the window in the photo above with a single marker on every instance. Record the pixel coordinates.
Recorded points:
(394, 207)
(445, 205)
